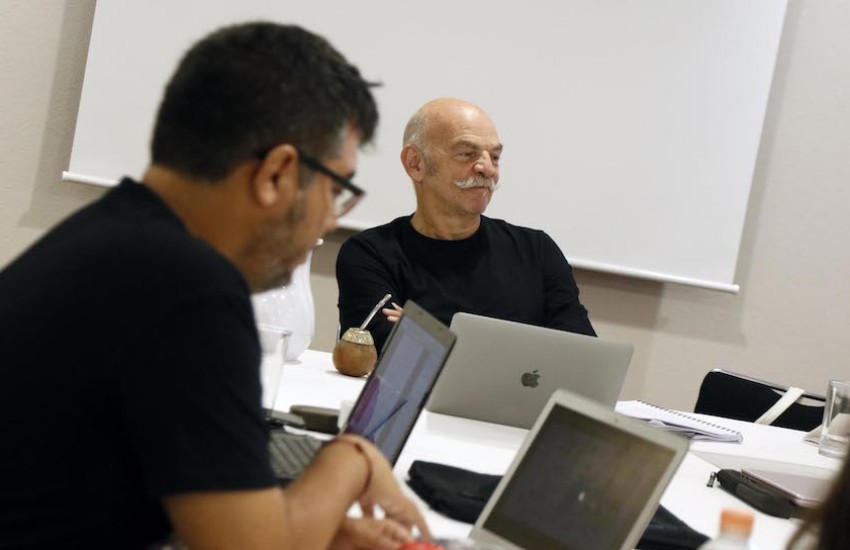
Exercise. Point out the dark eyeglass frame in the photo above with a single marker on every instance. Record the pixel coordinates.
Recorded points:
(315, 164)
(356, 192)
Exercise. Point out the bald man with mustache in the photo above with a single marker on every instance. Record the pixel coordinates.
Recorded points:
(447, 256)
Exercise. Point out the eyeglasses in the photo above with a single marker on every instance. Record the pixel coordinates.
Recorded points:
(344, 199)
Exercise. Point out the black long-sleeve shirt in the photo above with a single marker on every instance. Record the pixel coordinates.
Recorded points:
(501, 271)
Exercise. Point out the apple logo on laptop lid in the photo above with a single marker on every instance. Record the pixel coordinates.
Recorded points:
(530, 379)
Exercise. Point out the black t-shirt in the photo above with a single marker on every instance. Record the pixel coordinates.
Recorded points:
(501, 271)
(129, 364)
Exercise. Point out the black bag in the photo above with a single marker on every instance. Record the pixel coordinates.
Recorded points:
(461, 494)
(454, 492)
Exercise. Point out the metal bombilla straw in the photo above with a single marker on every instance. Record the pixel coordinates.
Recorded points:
(378, 306)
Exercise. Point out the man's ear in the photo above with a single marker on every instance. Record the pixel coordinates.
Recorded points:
(276, 179)
(413, 162)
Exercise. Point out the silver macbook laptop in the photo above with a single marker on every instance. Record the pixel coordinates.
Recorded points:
(504, 372)
(585, 477)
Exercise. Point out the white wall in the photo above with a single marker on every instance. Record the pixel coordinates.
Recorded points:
(43, 45)
(789, 323)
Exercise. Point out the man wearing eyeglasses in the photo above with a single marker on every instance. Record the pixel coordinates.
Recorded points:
(129, 358)
(448, 256)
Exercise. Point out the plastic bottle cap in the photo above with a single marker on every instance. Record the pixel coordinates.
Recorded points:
(736, 521)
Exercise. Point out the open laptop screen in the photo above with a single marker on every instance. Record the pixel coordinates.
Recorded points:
(581, 484)
(392, 399)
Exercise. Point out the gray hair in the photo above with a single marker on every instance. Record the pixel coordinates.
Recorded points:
(415, 130)
(414, 134)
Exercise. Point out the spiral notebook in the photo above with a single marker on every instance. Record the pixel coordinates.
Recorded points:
(679, 422)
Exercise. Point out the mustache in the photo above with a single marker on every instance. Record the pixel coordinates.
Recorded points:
(477, 181)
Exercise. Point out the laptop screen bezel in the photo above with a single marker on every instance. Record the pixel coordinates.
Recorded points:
(564, 399)
(413, 313)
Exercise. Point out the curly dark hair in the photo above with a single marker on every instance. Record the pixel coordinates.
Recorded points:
(246, 88)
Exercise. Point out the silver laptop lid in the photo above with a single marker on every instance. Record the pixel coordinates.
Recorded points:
(585, 477)
(504, 372)
(393, 397)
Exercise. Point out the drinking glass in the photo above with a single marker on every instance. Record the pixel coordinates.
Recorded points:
(835, 430)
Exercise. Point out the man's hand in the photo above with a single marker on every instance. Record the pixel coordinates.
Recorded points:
(356, 533)
(393, 313)
(383, 491)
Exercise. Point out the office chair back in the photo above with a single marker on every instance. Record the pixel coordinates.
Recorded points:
(732, 395)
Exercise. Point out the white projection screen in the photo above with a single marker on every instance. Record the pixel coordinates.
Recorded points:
(631, 129)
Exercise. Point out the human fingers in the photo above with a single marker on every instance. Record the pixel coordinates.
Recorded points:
(384, 491)
(402, 510)
(407, 513)
(392, 534)
(380, 534)
(385, 534)
(392, 315)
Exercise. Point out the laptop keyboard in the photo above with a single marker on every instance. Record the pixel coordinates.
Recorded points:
(291, 453)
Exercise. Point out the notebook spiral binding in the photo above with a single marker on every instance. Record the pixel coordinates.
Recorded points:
(689, 417)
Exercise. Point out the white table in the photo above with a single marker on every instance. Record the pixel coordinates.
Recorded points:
(765, 447)
(490, 448)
